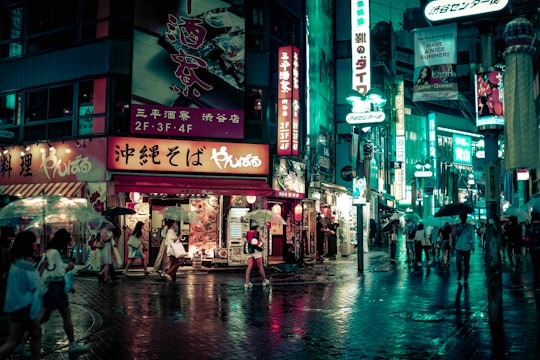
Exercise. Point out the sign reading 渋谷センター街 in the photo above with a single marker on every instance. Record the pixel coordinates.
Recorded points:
(435, 62)
(55, 162)
(164, 155)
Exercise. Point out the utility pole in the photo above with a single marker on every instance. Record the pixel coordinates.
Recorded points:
(493, 201)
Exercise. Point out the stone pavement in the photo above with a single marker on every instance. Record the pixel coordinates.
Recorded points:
(320, 311)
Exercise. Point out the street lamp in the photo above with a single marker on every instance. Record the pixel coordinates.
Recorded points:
(423, 171)
(365, 113)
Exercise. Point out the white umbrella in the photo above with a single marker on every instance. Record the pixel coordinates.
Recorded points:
(179, 214)
(264, 216)
(43, 206)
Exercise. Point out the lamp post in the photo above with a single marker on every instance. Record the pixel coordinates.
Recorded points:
(423, 171)
(365, 113)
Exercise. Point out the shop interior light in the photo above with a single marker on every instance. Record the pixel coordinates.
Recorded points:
(78, 144)
(27, 148)
(51, 147)
(251, 199)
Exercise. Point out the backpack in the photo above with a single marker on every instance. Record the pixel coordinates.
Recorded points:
(248, 248)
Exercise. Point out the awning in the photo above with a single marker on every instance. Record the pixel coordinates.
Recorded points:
(191, 186)
(67, 189)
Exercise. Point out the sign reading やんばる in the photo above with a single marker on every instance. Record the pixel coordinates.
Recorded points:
(164, 155)
(67, 161)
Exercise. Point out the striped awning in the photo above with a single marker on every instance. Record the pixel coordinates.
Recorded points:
(67, 189)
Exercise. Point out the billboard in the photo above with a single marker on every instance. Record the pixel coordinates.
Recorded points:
(435, 62)
(489, 90)
(188, 68)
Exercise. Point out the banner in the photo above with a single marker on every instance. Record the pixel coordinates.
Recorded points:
(435, 61)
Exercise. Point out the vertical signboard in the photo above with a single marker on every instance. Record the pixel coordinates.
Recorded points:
(462, 149)
(432, 139)
(288, 101)
(399, 168)
(435, 62)
(361, 55)
(489, 100)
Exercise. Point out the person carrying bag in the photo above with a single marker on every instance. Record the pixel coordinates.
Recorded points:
(136, 246)
(176, 253)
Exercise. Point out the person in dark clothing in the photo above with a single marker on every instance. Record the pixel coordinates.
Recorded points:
(532, 238)
(332, 239)
(321, 230)
(513, 231)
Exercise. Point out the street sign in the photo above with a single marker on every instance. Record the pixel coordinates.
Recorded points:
(365, 118)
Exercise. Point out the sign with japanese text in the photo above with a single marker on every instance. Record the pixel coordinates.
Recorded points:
(62, 162)
(489, 88)
(361, 43)
(435, 62)
(289, 178)
(451, 9)
(182, 122)
(462, 149)
(189, 58)
(400, 106)
(185, 156)
(288, 101)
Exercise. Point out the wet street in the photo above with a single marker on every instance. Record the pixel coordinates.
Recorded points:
(320, 312)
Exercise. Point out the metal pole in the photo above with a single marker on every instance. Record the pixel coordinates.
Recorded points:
(360, 236)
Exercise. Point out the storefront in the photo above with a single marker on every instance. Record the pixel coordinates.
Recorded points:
(211, 180)
(73, 169)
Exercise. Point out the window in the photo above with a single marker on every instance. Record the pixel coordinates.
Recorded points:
(9, 109)
(91, 102)
(10, 32)
(46, 104)
(33, 26)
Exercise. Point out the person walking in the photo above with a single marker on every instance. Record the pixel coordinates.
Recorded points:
(410, 231)
(162, 258)
(176, 254)
(464, 244)
(56, 297)
(420, 244)
(514, 232)
(136, 245)
(255, 257)
(532, 239)
(105, 253)
(445, 234)
(393, 243)
(23, 300)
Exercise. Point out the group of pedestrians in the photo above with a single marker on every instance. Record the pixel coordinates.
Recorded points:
(36, 286)
(425, 244)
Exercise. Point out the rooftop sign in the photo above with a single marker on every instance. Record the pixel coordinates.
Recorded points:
(450, 9)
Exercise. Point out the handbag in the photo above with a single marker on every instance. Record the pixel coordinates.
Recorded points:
(134, 242)
(176, 249)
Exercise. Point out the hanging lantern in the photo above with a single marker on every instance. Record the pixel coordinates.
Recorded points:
(251, 199)
(298, 212)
